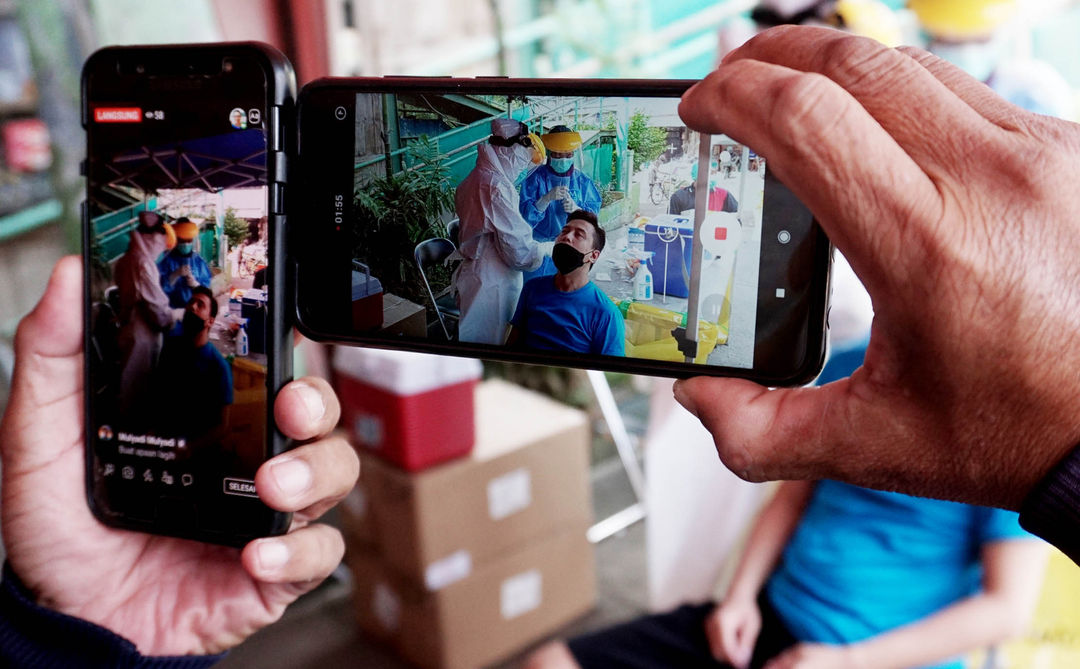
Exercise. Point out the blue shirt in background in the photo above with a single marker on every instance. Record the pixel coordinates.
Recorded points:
(862, 562)
(580, 321)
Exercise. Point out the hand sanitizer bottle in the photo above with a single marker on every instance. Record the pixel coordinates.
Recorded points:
(643, 286)
(242, 339)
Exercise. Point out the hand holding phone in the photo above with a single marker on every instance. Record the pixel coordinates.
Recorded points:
(169, 596)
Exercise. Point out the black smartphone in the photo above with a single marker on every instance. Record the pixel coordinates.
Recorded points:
(559, 222)
(186, 329)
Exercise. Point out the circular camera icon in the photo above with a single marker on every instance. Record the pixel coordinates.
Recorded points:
(238, 119)
(340, 113)
(105, 433)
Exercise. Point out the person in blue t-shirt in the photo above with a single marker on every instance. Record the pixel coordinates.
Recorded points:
(837, 576)
(192, 374)
(555, 190)
(567, 312)
(182, 270)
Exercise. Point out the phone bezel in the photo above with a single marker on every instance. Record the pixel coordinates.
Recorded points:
(320, 145)
(256, 519)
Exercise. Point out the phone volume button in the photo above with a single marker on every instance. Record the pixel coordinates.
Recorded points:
(277, 199)
(277, 130)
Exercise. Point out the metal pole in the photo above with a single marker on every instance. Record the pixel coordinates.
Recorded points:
(744, 168)
(701, 205)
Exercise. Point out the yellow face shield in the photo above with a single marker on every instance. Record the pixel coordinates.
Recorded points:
(562, 142)
(170, 237)
(539, 153)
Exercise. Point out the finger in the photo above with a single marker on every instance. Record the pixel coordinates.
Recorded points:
(309, 479)
(302, 558)
(306, 408)
(895, 89)
(714, 635)
(764, 435)
(729, 636)
(973, 92)
(862, 187)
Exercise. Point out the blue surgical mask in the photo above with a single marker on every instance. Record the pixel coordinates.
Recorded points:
(185, 248)
(561, 165)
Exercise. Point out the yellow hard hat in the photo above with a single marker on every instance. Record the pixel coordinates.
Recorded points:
(185, 230)
(539, 154)
(962, 19)
(170, 237)
(562, 139)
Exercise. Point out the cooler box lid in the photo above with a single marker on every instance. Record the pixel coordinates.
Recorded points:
(405, 372)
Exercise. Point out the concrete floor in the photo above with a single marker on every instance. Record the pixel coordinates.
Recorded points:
(319, 632)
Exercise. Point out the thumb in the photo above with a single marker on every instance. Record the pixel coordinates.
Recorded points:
(54, 327)
(47, 380)
(762, 434)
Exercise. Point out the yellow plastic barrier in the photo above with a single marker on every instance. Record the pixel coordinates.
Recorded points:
(648, 334)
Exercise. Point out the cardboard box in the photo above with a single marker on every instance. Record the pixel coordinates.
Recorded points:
(403, 318)
(499, 609)
(357, 519)
(527, 476)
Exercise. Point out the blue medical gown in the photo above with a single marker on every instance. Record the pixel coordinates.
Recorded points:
(580, 321)
(179, 292)
(549, 223)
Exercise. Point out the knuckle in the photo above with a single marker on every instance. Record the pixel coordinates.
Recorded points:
(852, 60)
(803, 105)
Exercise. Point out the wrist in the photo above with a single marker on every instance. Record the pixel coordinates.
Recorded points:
(741, 594)
(1051, 509)
(34, 635)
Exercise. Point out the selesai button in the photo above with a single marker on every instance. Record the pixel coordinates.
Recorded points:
(240, 487)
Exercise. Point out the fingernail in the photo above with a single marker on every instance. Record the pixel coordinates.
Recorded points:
(292, 476)
(313, 400)
(272, 555)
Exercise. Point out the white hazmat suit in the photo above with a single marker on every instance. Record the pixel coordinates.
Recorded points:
(496, 242)
(144, 314)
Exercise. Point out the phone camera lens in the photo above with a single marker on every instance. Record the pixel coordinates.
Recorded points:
(783, 237)
(140, 69)
(226, 65)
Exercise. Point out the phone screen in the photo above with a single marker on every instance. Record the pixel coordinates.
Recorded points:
(178, 294)
(560, 227)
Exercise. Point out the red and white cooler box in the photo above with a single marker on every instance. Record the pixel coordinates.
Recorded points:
(415, 410)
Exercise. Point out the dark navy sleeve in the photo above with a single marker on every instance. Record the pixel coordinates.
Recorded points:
(730, 203)
(1052, 508)
(34, 636)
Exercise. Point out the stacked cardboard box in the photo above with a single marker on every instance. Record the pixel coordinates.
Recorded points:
(463, 564)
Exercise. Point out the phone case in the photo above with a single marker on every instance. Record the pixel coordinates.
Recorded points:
(280, 124)
(330, 102)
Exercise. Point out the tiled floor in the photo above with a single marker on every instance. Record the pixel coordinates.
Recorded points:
(318, 632)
